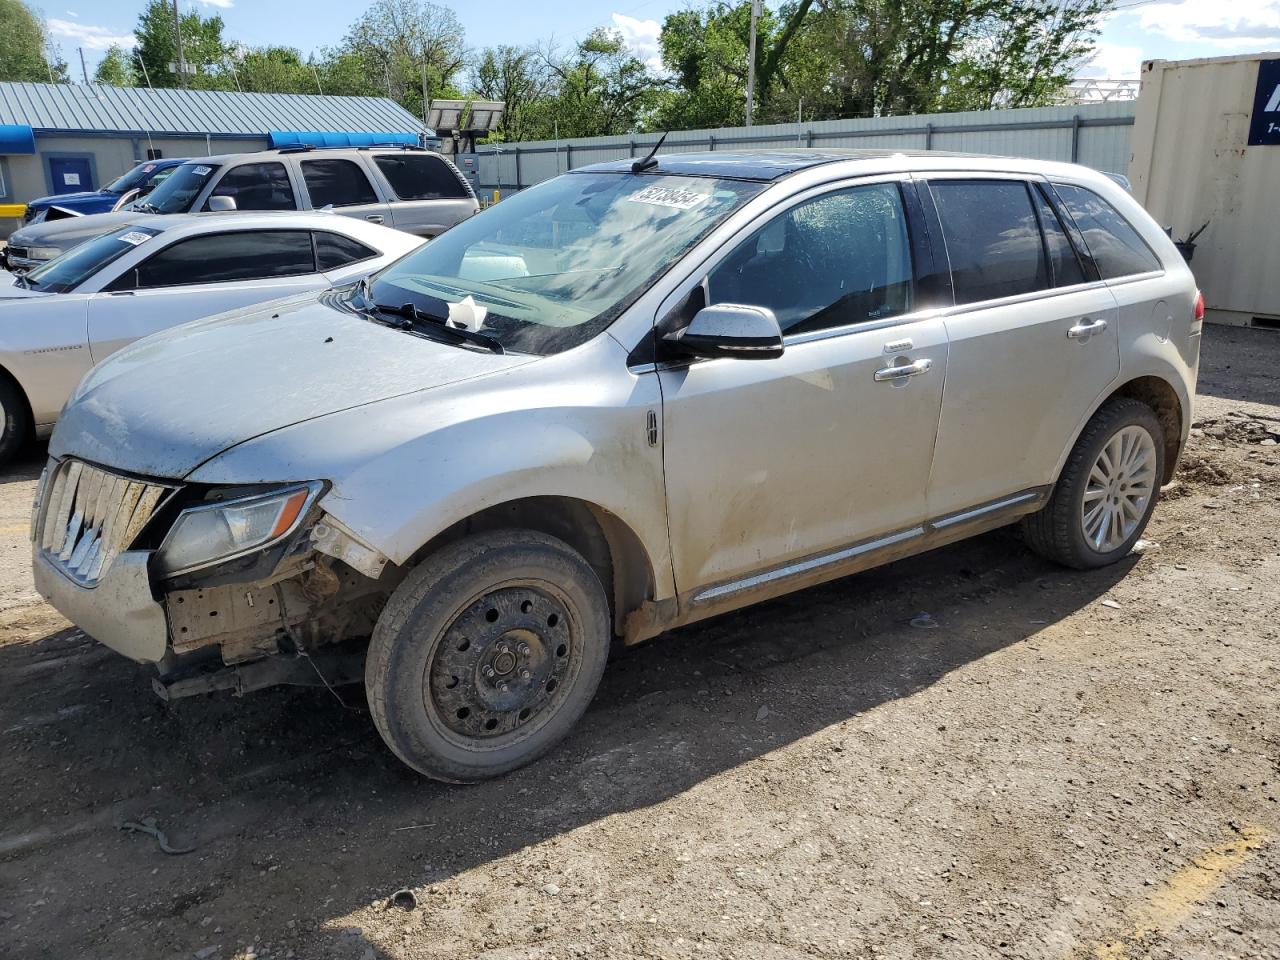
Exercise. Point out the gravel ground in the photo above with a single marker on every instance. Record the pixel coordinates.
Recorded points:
(1070, 765)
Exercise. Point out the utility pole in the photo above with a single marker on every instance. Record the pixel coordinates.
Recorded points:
(177, 32)
(751, 59)
(425, 125)
(84, 71)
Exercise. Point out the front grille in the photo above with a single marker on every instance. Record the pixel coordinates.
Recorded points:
(22, 252)
(90, 515)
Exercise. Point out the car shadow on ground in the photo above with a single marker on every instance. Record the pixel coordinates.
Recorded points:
(1230, 367)
(292, 790)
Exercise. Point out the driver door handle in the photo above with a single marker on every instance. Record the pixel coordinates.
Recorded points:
(374, 217)
(904, 371)
(1086, 329)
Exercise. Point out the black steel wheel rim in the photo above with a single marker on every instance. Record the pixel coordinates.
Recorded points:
(503, 662)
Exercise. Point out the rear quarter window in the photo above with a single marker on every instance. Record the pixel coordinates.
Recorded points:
(419, 176)
(1113, 244)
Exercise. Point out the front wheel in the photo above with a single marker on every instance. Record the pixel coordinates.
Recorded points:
(1107, 490)
(487, 654)
(14, 423)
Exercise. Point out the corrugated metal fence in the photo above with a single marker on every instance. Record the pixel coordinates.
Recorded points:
(1096, 135)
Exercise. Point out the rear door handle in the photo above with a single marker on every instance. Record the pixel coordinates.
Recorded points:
(374, 218)
(1086, 329)
(904, 371)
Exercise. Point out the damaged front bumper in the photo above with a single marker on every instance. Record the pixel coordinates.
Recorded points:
(118, 611)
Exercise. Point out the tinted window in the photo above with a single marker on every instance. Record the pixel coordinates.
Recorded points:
(334, 250)
(68, 271)
(1113, 244)
(249, 255)
(338, 182)
(418, 176)
(257, 186)
(840, 259)
(1063, 263)
(992, 238)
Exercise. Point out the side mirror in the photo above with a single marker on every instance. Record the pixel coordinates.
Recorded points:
(730, 330)
(221, 204)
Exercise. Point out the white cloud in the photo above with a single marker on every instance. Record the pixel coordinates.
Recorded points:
(223, 4)
(1215, 23)
(73, 15)
(641, 37)
(1112, 61)
(88, 35)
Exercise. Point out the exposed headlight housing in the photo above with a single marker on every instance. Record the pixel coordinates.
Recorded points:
(216, 532)
(44, 253)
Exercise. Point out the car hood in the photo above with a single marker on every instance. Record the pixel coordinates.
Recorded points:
(9, 289)
(168, 403)
(72, 230)
(74, 201)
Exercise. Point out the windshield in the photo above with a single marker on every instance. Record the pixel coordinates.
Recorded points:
(134, 178)
(179, 190)
(65, 273)
(553, 266)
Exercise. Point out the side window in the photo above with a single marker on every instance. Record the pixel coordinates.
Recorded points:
(222, 257)
(334, 250)
(1113, 244)
(257, 186)
(1063, 262)
(338, 182)
(992, 238)
(420, 176)
(838, 259)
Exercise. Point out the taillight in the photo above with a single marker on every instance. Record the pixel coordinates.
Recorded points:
(1199, 307)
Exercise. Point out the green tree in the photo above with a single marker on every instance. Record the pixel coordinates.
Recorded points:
(272, 70)
(393, 40)
(518, 77)
(599, 89)
(203, 48)
(26, 54)
(345, 73)
(116, 68)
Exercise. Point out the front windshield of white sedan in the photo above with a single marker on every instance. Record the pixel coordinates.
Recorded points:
(63, 274)
(553, 266)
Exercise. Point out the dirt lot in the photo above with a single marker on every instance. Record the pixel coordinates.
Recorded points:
(1069, 765)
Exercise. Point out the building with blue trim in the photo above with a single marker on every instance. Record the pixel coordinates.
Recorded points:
(70, 137)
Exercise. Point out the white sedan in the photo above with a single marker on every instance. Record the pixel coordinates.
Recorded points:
(60, 319)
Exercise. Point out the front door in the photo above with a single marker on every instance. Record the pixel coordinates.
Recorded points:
(70, 174)
(792, 461)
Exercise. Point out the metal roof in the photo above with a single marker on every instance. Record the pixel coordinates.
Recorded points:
(96, 108)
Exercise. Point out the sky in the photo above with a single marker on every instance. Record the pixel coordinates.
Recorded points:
(1136, 30)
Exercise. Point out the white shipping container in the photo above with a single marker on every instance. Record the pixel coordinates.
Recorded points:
(1193, 163)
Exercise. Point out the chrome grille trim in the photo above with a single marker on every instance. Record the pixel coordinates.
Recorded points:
(90, 515)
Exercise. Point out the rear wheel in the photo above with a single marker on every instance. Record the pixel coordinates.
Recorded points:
(487, 655)
(1107, 490)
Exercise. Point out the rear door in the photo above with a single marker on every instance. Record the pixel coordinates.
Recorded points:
(345, 186)
(198, 277)
(1033, 341)
(429, 195)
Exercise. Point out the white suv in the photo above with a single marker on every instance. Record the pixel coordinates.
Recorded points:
(627, 399)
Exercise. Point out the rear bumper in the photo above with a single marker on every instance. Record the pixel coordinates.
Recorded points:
(118, 611)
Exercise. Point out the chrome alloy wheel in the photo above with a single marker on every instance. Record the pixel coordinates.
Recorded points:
(502, 661)
(1121, 484)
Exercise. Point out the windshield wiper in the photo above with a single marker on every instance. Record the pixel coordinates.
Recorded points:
(414, 319)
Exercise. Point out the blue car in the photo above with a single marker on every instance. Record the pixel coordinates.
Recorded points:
(139, 181)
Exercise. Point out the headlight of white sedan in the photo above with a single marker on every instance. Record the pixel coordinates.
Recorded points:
(215, 532)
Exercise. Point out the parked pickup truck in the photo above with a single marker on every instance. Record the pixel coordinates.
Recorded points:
(413, 190)
(634, 396)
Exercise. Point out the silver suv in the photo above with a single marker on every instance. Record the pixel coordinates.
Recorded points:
(413, 190)
(622, 401)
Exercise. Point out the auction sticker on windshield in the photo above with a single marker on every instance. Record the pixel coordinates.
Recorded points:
(669, 197)
(201, 171)
(135, 237)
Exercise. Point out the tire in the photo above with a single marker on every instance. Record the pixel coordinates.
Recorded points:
(487, 655)
(1061, 530)
(17, 426)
